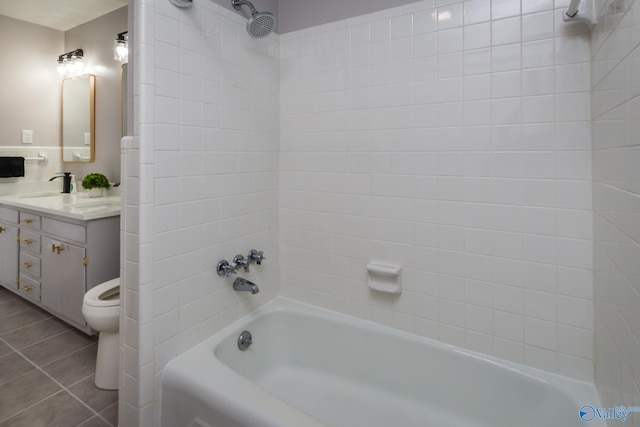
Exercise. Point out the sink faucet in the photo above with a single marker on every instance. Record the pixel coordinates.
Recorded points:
(244, 285)
(66, 184)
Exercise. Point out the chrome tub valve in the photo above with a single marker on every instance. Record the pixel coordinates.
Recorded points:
(241, 261)
(224, 268)
(256, 256)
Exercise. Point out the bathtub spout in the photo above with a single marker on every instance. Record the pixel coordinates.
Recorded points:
(244, 285)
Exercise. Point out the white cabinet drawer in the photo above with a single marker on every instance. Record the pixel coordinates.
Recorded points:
(30, 220)
(29, 288)
(29, 241)
(29, 264)
(64, 229)
(8, 215)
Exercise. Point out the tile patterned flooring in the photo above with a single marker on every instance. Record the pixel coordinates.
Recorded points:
(47, 370)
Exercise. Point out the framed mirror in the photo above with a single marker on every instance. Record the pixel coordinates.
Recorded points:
(78, 119)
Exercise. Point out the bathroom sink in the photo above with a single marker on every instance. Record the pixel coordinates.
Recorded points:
(36, 195)
(87, 207)
(77, 206)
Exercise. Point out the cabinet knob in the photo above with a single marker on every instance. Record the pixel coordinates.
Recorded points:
(26, 241)
(2, 229)
(27, 264)
(25, 288)
(26, 221)
(57, 248)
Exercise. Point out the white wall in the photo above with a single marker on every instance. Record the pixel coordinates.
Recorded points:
(616, 192)
(454, 141)
(201, 185)
(459, 148)
(31, 93)
(96, 39)
(30, 87)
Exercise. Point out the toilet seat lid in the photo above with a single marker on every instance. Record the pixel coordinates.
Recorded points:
(106, 294)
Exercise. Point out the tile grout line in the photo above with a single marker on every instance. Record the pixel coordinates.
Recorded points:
(50, 316)
(33, 324)
(25, 309)
(57, 359)
(95, 413)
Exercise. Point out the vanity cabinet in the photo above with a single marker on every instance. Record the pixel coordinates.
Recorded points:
(9, 248)
(56, 260)
(63, 284)
(30, 246)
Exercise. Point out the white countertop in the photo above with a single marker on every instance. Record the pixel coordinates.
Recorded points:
(76, 206)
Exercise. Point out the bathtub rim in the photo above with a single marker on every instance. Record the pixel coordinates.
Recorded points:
(267, 410)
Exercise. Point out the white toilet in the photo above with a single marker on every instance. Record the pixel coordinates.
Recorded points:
(101, 310)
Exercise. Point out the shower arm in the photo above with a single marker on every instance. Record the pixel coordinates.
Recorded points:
(238, 3)
(572, 11)
(181, 3)
(587, 13)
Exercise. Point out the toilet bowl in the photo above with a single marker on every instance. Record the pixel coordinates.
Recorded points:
(101, 310)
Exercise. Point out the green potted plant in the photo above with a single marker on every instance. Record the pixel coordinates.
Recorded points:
(95, 183)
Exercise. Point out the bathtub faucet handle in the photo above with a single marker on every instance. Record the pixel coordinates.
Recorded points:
(225, 269)
(256, 256)
(241, 261)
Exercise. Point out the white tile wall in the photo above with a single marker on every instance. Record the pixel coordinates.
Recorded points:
(616, 151)
(201, 185)
(455, 141)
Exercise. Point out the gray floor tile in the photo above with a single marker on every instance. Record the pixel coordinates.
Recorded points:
(58, 346)
(13, 306)
(24, 391)
(58, 410)
(96, 398)
(28, 397)
(74, 367)
(4, 349)
(21, 319)
(94, 422)
(35, 332)
(111, 414)
(12, 366)
(6, 295)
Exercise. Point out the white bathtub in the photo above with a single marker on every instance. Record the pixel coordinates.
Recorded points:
(309, 367)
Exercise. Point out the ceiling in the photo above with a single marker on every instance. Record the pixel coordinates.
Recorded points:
(60, 15)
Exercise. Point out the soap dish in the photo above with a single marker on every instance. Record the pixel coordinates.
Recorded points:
(384, 277)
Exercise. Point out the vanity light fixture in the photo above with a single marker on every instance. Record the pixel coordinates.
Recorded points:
(121, 47)
(71, 63)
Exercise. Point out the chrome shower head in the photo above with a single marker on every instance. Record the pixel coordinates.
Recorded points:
(261, 24)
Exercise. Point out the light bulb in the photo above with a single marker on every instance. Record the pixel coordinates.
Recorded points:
(121, 51)
(62, 68)
(77, 65)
